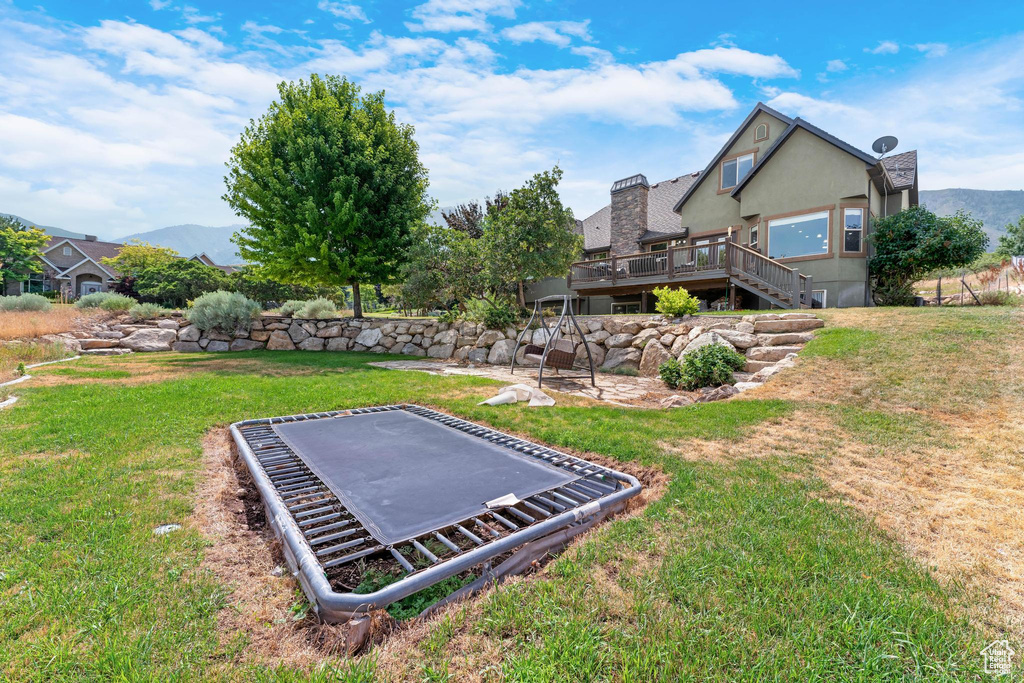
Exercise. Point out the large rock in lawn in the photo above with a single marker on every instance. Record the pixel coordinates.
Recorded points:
(654, 355)
(708, 394)
(369, 338)
(150, 339)
(280, 341)
(706, 339)
(622, 358)
(791, 325)
(619, 341)
(501, 352)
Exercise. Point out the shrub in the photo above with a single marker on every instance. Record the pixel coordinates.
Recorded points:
(708, 366)
(117, 303)
(501, 316)
(147, 311)
(291, 306)
(318, 308)
(25, 302)
(223, 311)
(179, 281)
(448, 316)
(1000, 298)
(675, 303)
(93, 300)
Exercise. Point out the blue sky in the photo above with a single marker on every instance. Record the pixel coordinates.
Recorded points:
(117, 116)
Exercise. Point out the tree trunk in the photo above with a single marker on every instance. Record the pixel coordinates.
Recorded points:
(357, 304)
(522, 295)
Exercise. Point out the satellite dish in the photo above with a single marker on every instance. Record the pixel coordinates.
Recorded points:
(886, 143)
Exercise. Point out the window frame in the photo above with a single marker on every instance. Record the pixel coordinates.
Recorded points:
(597, 255)
(41, 278)
(753, 234)
(843, 208)
(824, 296)
(66, 251)
(829, 210)
(760, 138)
(752, 153)
(623, 304)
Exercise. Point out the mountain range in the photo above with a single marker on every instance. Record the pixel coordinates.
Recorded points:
(996, 208)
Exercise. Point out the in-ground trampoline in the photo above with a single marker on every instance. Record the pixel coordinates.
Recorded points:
(416, 493)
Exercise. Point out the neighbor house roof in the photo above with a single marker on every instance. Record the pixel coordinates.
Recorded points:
(760, 107)
(661, 222)
(902, 169)
(94, 250)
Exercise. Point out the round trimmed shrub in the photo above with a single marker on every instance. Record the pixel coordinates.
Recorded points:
(25, 302)
(318, 308)
(675, 303)
(223, 311)
(117, 303)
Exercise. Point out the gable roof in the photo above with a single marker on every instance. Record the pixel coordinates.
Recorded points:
(94, 250)
(800, 124)
(902, 169)
(661, 222)
(760, 107)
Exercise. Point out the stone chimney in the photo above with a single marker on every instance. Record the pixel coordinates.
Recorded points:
(629, 213)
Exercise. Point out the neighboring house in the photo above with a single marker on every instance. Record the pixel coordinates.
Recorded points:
(74, 267)
(206, 260)
(779, 217)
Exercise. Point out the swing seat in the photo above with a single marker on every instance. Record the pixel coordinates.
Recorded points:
(562, 354)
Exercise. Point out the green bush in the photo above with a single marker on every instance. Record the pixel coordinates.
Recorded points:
(1000, 298)
(25, 302)
(117, 303)
(448, 316)
(147, 311)
(318, 308)
(501, 316)
(708, 366)
(93, 300)
(291, 306)
(223, 311)
(675, 303)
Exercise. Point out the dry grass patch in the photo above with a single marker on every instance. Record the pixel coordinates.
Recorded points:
(33, 324)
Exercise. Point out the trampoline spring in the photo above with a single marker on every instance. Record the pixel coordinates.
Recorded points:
(302, 506)
(536, 508)
(584, 490)
(287, 479)
(277, 473)
(322, 529)
(568, 497)
(521, 515)
(424, 552)
(292, 499)
(288, 498)
(557, 507)
(332, 537)
(317, 511)
(469, 534)
(401, 560)
(486, 527)
(342, 546)
(451, 546)
(509, 524)
(324, 518)
(351, 558)
(304, 482)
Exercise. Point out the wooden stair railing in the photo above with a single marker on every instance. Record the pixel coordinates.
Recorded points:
(769, 276)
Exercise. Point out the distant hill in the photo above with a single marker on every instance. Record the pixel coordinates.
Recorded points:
(190, 239)
(48, 229)
(996, 208)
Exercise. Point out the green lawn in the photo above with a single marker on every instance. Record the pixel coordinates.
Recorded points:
(744, 569)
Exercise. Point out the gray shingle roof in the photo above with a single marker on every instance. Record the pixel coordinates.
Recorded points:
(660, 218)
(902, 168)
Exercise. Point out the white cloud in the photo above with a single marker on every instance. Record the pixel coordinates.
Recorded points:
(932, 49)
(594, 54)
(448, 16)
(343, 10)
(835, 66)
(159, 4)
(737, 61)
(558, 33)
(885, 47)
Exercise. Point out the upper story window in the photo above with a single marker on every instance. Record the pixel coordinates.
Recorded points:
(598, 255)
(735, 170)
(753, 236)
(761, 132)
(853, 230)
(805, 235)
(663, 246)
(67, 251)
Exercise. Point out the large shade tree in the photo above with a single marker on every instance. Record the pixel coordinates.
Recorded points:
(1012, 243)
(20, 247)
(331, 186)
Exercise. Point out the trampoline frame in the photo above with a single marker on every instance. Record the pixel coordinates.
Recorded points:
(319, 534)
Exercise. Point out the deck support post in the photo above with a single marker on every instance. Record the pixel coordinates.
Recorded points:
(615, 270)
(671, 262)
(796, 289)
(643, 301)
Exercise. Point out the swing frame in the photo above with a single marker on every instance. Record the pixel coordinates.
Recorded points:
(538, 306)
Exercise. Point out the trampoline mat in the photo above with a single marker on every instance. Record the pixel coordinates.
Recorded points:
(403, 475)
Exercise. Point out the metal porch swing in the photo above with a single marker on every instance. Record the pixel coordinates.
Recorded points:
(558, 351)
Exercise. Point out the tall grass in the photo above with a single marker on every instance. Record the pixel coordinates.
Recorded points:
(32, 324)
(13, 355)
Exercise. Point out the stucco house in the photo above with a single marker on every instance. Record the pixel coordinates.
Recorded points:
(74, 266)
(778, 217)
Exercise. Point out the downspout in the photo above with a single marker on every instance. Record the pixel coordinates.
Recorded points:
(867, 246)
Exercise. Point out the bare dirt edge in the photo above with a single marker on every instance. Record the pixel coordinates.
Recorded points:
(244, 555)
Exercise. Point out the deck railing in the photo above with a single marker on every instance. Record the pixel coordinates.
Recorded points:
(720, 259)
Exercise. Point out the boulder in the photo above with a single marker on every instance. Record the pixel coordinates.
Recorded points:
(679, 344)
(369, 337)
(447, 337)
(403, 338)
(276, 325)
(245, 345)
(358, 347)
(770, 353)
(622, 357)
(104, 334)
(185, 346)
(644, 336)
(619, 341)
(464, 341)
(741, 340)
(706, 339)
(746, 386)
(794, 325)
(218, 336)
(597, 337)
(351, 332)
(167, 324)
(330, 331)
(151, 339)
(745, 327)
(280, 341)
(630, 328)
(416, 328)
(488, 338)
(413, 350)
(218, 345)
(86, 344)
(653, 356)
(675, 401)
(756, 366)
(378, 349)
(708, 394)
(784, 338)
(594, 325)
(695, 332)
(667, 340)
(297, 332)
(477, 356)
(442, 351)
(338, 344)
(597, 353)
(797, 316)
(388, 328)
(461, 354)
(501, 352)
(388, 342)
(255, 335)
(312, 344)
(540, 336)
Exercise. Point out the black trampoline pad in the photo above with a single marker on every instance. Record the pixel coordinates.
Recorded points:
(402, 475)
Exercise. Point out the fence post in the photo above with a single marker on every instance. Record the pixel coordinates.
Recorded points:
(796, 288)
(938, 292)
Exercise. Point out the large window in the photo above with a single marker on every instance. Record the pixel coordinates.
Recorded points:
(626, 308)
(597, 255)
(805, 235)
(853, 230)
(735, 170)
(35, 284)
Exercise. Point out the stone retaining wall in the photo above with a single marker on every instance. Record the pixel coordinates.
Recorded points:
(767, 339)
